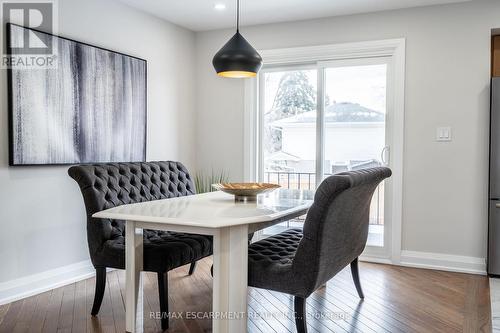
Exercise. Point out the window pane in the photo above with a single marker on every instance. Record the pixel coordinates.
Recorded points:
(289, 133)
(355, 109)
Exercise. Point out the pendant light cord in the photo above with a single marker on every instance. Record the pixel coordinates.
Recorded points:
(237, 15)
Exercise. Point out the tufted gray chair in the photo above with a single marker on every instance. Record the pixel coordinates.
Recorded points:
(298, 262)
(109, 185)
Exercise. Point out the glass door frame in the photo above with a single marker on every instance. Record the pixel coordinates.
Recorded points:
(320, 67)
(324, 55)
(376, 251)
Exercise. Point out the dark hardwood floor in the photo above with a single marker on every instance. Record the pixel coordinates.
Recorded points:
(397, 299)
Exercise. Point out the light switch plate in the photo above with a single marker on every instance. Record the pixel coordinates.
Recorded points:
(443, 134)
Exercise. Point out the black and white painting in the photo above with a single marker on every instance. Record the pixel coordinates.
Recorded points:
(90, 108)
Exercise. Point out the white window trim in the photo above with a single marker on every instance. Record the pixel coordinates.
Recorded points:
(394, 48)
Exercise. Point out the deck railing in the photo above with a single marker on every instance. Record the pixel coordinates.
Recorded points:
(307, 181)
(292, 180)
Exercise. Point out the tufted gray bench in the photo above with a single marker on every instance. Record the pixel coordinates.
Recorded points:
(109, 185)
(335, 231)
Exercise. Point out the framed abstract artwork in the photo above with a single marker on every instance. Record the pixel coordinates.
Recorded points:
(91, 107)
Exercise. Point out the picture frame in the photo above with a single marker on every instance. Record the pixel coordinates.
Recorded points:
(104, 97)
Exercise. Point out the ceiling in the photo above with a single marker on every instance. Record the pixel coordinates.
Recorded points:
(200, 15)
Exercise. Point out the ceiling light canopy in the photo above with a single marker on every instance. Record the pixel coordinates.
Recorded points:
(237, 58)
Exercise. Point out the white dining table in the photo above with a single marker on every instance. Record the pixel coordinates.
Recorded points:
(215, 214)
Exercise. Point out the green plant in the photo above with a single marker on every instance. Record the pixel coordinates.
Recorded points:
(203, 181)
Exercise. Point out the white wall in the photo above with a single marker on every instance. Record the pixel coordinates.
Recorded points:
(42, 218)
(447, 83)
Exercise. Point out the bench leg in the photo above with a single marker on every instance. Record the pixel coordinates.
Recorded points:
(163, 295)
(100, 287)
(355, 277)
(192, 268)
(300, 314)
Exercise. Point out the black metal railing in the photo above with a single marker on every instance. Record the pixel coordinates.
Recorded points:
(292, 180)
(307, 180)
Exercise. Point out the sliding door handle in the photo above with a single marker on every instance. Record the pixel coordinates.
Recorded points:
(385, 155)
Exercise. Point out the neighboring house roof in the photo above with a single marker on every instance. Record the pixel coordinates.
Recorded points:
(282, 156)
(358, 165)
(337, 113)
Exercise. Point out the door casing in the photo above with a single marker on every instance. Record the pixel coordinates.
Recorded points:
(392, 51)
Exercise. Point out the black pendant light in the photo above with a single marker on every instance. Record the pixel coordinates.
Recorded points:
(237, 58)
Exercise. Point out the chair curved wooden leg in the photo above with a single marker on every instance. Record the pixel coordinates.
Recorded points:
(355, 277)
(300, 314)
(100, 287)
(192, 268)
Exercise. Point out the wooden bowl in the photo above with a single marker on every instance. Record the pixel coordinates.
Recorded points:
(245, 191)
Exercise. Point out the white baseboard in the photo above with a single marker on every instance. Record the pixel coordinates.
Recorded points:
(14, 290)
(444, 262)
(375, 259)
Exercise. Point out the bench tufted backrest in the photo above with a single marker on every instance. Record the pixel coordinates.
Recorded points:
(336, 226)
(109, 185)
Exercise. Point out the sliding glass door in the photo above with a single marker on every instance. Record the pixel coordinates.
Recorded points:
(355, 125)
(322, 119)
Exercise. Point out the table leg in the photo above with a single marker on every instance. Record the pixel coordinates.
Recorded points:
(133, 284)
(230, 280)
